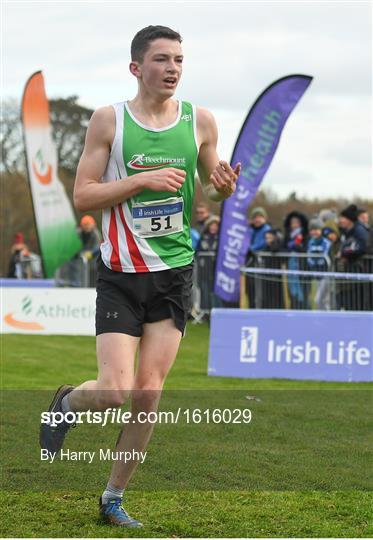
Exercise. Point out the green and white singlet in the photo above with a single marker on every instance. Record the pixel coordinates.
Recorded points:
(150, 231)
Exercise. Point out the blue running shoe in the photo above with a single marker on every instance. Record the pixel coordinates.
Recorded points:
(51, 437)
(113, 513)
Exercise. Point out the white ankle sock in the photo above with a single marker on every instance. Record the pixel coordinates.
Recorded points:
(111, 492)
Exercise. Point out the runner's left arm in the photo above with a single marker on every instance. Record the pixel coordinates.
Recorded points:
(217, 176)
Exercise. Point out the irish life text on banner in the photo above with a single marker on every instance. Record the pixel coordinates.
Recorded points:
(55, 220)
(281, 344)
(255, 148)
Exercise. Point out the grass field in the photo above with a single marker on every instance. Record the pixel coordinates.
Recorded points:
(303, 468)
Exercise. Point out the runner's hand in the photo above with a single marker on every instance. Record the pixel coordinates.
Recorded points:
(168, 179)
(224, 178)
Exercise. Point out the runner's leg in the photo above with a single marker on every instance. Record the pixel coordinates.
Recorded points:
(157, 352)
(115, 358)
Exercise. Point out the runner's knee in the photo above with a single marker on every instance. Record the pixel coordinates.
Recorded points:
(112, 397)
(146, 397)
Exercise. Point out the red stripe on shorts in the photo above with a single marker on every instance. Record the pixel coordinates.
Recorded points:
(136, 257)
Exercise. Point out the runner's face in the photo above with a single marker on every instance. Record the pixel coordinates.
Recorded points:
(162, 66)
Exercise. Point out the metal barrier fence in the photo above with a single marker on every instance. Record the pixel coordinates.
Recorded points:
(78, 272)
(204, 298)
(306, 281)
(354, 295)
(28, 267)
(290, 285)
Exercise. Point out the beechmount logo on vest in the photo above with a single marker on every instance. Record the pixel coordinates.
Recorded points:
(144, 162)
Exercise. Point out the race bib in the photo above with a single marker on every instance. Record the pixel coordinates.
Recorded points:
(158, 218)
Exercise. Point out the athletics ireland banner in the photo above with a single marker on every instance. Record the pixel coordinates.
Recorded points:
(255, 148)
(54, 216)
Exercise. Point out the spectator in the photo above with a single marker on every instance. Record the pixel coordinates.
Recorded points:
(328, 214)
(363, 218)
(23, 263)
(91, 240)
(80, 270)
(195, 237)
(206, 257)
(210, 235)
(202, 214)
(331, 232)
(271, 294)
(354, 240)
(90, 237)
(273, 240)
(354, 234)
(319, 245)
(296, 230)
(259, 226)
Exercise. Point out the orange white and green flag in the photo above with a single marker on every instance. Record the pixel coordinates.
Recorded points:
(54, 216)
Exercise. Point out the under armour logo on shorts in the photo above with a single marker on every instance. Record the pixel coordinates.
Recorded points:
(114, 315)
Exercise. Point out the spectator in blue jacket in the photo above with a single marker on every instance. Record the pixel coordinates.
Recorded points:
(295, 240)
(319, 245)
(259, 226)
(258, 229)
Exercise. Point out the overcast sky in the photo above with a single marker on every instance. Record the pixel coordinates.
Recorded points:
(233, 50)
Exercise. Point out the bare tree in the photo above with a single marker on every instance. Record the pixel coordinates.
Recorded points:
(69, 123)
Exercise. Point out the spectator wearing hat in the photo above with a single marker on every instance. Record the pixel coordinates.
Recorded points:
(354, 240)
(210, 235)
(328, 214)
(81, 266)
(91, 240)
(90, 236)
(259, 227)
(23, 263)
(319, 245)
(331, 232)
(296, 231)
(354, 234)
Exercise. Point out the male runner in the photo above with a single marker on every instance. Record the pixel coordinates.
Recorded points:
(138, 166)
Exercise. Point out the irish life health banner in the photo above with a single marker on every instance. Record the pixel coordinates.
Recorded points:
(55, 220)
(255, 148)
(314, 345)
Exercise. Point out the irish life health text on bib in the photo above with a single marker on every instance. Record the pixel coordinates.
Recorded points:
(158, 218)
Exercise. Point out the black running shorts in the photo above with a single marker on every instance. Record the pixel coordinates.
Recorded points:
(126, 301)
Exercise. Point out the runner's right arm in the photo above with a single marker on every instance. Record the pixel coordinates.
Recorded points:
(90, 193)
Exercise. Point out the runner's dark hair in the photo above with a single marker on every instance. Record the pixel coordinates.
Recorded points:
(142, 40)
